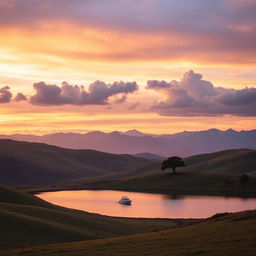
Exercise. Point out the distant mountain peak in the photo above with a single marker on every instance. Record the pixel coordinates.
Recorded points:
(134, 132)
(230, 130)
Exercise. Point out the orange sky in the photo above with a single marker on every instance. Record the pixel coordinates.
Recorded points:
(130, 41)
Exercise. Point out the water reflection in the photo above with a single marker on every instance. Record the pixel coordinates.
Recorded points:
(146, 204)
(172, 197)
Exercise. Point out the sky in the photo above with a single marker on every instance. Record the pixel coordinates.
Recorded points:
(158, 66)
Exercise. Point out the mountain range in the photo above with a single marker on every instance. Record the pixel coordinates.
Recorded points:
(133, 142)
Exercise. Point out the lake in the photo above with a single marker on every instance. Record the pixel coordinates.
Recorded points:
(147, 205)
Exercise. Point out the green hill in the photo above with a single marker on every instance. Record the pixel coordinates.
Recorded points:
(233, 234)
(181, 183)
(235, 162)
(208, 174)
(26, 220)
(25, 163)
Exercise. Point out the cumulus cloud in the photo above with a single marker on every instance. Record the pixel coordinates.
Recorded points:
(20, 97)
(5, 94)
(193, 96)
(98, 93)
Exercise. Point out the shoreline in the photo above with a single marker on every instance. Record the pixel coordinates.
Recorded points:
(174, 192)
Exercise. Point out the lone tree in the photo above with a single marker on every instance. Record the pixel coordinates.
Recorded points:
(244, 179)
(172, 163)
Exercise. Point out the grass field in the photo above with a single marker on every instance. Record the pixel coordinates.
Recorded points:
(234, 234)
(233, 162)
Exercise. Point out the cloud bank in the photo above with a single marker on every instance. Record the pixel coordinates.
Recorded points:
(172, 29)
(193, 96)
(98, 93)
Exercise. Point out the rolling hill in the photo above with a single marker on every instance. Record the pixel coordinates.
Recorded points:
(227, 162)
(235, 162)
(208, 174)
(233, 234)
(25, 163)
(149, 156)
(26, 220)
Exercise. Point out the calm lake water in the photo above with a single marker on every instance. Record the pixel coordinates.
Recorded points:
(146, 204)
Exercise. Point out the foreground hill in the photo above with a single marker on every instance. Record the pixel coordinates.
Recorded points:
(26, 220)
(183, 144)
(25, 163)
(233, 234)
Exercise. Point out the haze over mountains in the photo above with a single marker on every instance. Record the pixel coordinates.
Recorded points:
(134, 142)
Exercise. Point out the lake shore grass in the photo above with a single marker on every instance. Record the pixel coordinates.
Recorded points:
(165, 183)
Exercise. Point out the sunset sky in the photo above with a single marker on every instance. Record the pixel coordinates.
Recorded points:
(158, 66)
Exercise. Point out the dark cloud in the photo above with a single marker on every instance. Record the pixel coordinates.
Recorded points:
(20, 97)
(5, 94)
(155, 84)
(98, 93)
(238, 97)
(193, 96)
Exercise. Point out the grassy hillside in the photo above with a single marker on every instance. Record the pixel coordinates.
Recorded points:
(236, 161)
(181, 183)
(227, 162)
(26, 220)
(24, 163)
(212, 174)
(234, 234)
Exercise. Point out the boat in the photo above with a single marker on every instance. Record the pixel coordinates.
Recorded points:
(125, 200)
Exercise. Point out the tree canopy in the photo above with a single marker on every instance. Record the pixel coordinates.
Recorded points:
(244, 179)
(172, 163)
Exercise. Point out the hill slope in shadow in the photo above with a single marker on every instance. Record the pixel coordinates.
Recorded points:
(233, 234)
(26, 163)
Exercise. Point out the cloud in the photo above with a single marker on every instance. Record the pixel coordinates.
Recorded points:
(173, 30)
(157, 85)
(5, 94)
(134, 106)
(193, 96)
(20, 97)
(98, 93)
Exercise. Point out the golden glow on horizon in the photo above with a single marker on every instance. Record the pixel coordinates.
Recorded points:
(43, 123)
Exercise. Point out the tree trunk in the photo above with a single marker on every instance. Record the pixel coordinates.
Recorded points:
(173, 169)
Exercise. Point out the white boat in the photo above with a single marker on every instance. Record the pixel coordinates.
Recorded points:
(125, 200)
